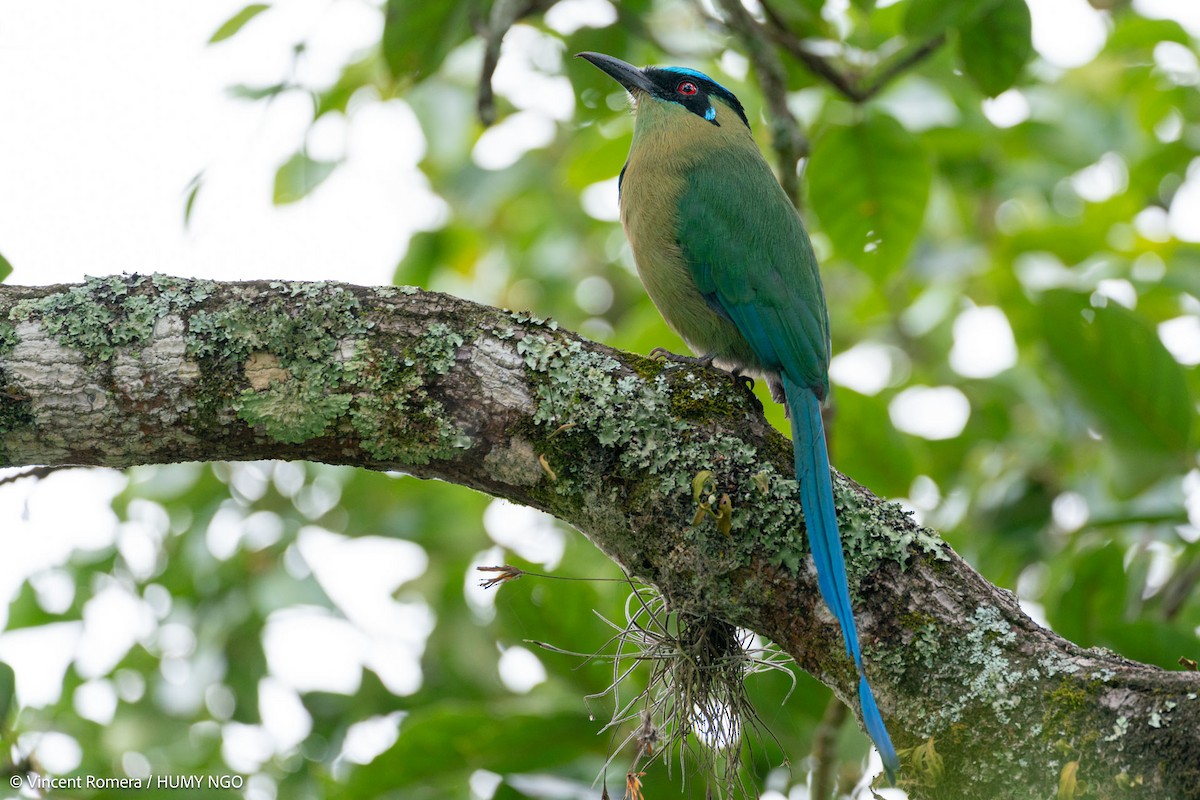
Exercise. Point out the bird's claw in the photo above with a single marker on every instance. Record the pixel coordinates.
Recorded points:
(744, 380)
(747, 383)
(665, 354)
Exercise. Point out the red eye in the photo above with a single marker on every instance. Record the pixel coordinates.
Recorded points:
(686, 87)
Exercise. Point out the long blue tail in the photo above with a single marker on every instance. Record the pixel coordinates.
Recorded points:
(816, 501)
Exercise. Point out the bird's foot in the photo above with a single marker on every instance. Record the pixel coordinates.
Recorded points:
(706, 360)
(696, 361)
(747, 383)
(743, 380)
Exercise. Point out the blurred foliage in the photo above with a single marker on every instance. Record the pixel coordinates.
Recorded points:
(235, 23)
(874, 212)
(1069, 482)
(298, 176)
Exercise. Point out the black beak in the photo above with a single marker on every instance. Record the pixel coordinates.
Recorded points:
(625, 74)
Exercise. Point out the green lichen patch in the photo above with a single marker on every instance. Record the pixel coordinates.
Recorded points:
(873, 532)
(1119, 729)
(394, 415)
(988, 676)
(294, 410)
(526, 318)
(15, 410)
(775, 526)
(277, 324)
(773, 523)
(325, 370)
(643, 418)
(921, 655)
(302, 348)
(652, 454)
(703, 393)
(8, 338)
(102, 315)
(96, 317)
(299, 329)
(595, 395)
(183, 291)
(436, 350)
(400, 427)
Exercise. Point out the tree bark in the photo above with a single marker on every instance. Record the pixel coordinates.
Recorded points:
(139, 370)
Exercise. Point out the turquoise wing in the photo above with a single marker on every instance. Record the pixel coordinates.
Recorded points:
(752, 260)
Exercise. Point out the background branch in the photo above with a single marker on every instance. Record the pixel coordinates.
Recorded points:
(824, 773)
(782, 34)
(503, 15)
(787, 139)
(854, 88)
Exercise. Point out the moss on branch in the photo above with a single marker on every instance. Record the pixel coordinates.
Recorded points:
(135, 369)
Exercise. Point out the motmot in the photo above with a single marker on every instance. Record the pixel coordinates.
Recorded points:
(724, 256)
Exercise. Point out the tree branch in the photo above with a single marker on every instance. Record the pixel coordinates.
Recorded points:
(789, 141)
(503, 15)
(819, 66)
(825, 738)
(853, 88)
(906, 59)
(135, 370)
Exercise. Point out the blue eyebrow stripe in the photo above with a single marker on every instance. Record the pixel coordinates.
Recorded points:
(695, 73)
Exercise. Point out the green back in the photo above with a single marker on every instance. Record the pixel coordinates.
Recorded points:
(751, 258)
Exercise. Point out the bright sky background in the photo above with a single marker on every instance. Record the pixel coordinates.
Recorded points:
(110, 109)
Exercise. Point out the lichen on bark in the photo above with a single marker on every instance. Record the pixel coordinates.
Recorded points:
(131, 369)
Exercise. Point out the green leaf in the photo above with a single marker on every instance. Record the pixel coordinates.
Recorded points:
(26, 612)
(1135, 34)
(298, 176)
(869, 184)
(442, 741)
(5, 268)
(418, 34)
(454, 248)
(237, 21)
(800, 13)
(192, 191)
(367, 71)
(1123, 375)
(867, 445)
(996, 46)
(243, 91)
(926, 19)
(8, 692)
(1089, 601)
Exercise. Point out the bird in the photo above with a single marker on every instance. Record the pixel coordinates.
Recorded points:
(725, 257)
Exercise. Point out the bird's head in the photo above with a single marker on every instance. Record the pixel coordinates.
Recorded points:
(656, 90)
